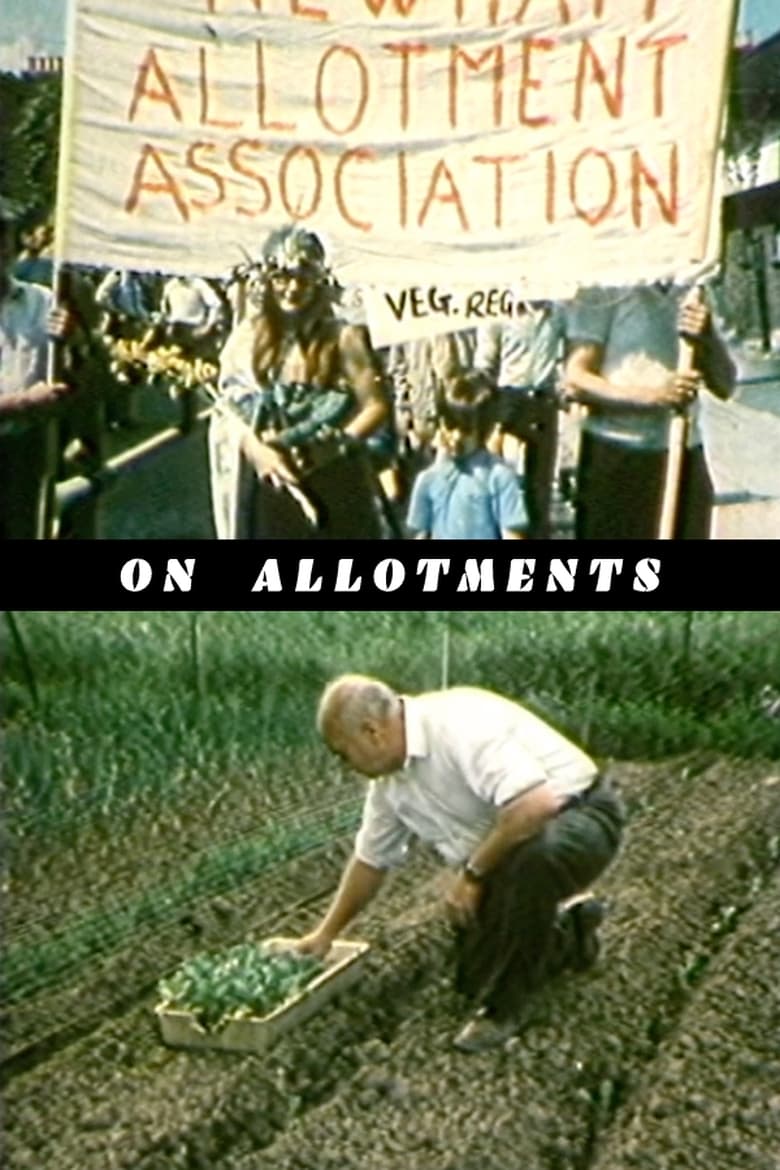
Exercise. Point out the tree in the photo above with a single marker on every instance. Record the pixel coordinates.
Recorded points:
(29, 142)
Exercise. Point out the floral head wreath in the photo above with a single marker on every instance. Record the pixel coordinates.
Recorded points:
(295, 247)
(287, 247)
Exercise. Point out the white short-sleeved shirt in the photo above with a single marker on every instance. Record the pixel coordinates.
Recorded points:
(525, 352)
(24, 315)
(469, 751)
(189, 301)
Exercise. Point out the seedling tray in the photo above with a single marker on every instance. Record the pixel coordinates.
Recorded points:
(343, 967)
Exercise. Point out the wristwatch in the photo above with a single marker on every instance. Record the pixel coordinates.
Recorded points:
(472, 873)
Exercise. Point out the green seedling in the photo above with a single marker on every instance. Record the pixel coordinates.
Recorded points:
(242, 982)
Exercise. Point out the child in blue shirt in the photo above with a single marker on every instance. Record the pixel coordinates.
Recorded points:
(468, 493)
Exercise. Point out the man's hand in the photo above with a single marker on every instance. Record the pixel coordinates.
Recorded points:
(679, 393)
(686, 387)
(693, 318)
(315, 943)
(34, 402)
(462, 901)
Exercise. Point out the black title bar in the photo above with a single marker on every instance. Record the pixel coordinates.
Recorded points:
(458, 575)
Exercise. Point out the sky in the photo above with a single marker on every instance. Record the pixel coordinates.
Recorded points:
(760, 17)
(42, 22)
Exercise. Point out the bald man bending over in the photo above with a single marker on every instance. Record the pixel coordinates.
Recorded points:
(517, 811)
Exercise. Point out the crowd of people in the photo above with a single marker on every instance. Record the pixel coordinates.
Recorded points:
(456, 437)
(318, 433)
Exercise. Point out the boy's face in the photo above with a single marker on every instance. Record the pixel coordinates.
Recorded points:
(456, 442)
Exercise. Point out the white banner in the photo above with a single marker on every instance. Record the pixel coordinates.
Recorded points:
(495, 144)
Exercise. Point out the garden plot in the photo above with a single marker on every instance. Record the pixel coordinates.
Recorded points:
(373, 1080)
(550, 1100)
(711, 1101)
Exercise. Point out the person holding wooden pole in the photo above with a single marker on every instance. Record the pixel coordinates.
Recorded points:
(642, 475)
(30, 397)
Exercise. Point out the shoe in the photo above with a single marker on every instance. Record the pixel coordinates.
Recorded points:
(587, 917)
(483, 1033)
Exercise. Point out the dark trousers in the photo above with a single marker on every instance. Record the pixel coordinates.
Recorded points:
(28, 462)
(620, 493)
(511, 947)
(345, 493)
(531, 415)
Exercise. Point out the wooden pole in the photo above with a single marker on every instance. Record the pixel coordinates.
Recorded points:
(678, 439)
(46, 519)
(578, 414)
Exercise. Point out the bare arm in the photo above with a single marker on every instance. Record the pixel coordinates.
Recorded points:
(35, 402)
(105, 290)
(359, 884)
(584, 382)
(213, 310)
(362, 372)
(711, 358)
(517, 821)
(716, 364)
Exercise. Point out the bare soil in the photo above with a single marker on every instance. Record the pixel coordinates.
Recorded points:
(664, 1056)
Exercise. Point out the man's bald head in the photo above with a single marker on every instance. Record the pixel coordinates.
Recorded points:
(361, 719)
(350, 700)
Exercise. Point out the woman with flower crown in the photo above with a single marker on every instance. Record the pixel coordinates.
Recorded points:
(300, 390)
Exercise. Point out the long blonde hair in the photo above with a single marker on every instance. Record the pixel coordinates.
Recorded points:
(317, 327)
(318, 334)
